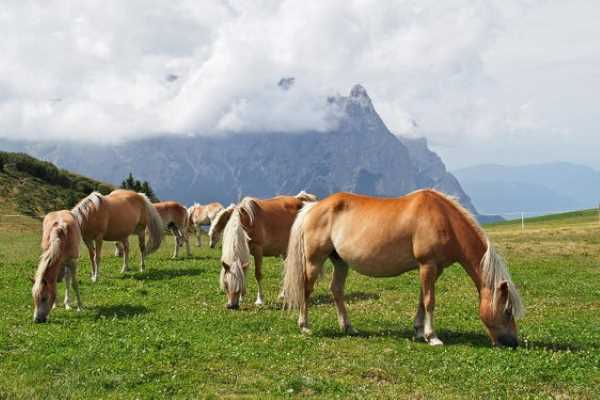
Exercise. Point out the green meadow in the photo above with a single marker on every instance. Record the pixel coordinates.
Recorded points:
(165, 332)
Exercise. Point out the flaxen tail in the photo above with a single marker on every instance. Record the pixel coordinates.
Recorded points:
(155, 226)
(295, 262)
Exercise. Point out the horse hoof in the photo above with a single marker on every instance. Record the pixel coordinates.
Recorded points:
(259, 302)
(306, 331)
(67, 307)
(94, 279)
(349, 330)
(435, 342)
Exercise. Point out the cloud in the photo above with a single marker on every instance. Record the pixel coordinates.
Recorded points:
(464, 70)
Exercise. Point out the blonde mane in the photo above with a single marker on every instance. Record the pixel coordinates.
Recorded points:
(248, 204)
(494, 270)
(305, 196)
(87, 206)
(50, 256)
(236, 250)
(217, 219)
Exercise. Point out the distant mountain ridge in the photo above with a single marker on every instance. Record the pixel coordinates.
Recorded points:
(361, 155)
(535, 188)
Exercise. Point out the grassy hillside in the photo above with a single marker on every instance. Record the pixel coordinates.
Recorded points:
(32, 187)
(165, 332)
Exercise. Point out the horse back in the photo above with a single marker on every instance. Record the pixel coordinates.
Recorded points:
(272, 223)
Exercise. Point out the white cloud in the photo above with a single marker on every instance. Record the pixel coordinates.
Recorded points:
(468, 72)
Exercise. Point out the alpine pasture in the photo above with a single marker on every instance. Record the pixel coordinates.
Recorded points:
(166, 332)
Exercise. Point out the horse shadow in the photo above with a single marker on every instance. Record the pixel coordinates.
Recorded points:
(164, 274)
(349, 298)
(454, 338)
(120, 311)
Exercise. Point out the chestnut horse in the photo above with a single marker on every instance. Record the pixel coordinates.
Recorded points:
(174, 217)
(382, 237)
(260, 228)
(202, 215)
(220, 220)
(60, 251)
(113, 218)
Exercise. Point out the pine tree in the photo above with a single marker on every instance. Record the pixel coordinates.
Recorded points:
(131, 183)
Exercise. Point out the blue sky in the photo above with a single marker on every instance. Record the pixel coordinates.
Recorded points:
(511, 81)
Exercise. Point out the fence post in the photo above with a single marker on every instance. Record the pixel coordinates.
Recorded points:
(522, 221)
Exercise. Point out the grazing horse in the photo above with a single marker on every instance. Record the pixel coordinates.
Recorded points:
(381, 237)
(113, 218)
(202, 215)
(60, 251)
(174, 217)
(220, 220)
(260, 228)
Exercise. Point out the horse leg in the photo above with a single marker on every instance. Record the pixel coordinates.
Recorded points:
(97, 258)
(186, 239)
(176, 235)
(313, 270)
(75, 283)
(198, 230)
(428, 273)
(338, 281)
(419, 323)
(142, 244)
(258, 275)
(68, 285)
(125, 253)
(92, 251)
(118, 250)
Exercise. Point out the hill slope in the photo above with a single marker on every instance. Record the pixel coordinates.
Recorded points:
(32, 187)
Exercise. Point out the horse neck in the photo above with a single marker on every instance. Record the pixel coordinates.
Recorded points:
(473, 245)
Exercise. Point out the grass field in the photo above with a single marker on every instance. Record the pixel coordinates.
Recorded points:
(166, 333)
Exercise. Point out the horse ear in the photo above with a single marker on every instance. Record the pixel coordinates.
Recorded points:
(225, 266)
(45, 282)
(32, 280)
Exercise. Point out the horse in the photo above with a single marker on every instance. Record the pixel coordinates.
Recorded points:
(60, 250)
(382, 237)
(113, 218)
(174, 217)
(260, 228)
(220, 220)
(202, 215)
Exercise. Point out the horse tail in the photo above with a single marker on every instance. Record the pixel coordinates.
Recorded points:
(295, 262)
(154, 226)
(52, 255)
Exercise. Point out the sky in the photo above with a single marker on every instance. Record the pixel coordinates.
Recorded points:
(509, 82)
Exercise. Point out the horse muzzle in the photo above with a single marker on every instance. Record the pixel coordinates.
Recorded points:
(232, 306)
(507, 341)
(40, 320)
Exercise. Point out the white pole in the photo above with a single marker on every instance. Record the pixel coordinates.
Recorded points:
(522, 221)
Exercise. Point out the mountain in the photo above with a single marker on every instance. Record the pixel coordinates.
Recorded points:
(360, 155)
(32, 187)
(532, 188)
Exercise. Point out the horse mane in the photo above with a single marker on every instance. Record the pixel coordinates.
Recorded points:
(494, 269)
(236, 250)
(85, 207)
(305, 196)
(249, 206)
(217, 219)
(49, 256)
